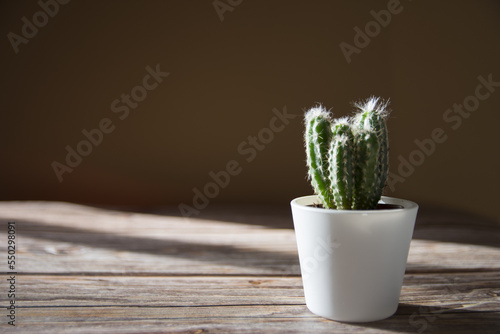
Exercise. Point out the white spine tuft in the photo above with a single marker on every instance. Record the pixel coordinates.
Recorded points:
(316, 111)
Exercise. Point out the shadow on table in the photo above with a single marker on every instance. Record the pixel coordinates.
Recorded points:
(271, 216)
(227, 255)
(456, 226)
(411, 318)
(433, 223)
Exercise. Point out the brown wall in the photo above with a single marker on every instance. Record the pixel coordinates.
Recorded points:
(226, 77)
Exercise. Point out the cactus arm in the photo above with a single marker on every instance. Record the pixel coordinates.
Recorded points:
(366, 171)
(317, 137)
(372, 118)
(342, 169)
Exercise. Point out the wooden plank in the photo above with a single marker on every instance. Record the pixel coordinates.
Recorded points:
(433, 302)
(266, 319)
(472, 290)
(167, 291)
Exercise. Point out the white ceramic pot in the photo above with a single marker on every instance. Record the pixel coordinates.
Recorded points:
(353, 261)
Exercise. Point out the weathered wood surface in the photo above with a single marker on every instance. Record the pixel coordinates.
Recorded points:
(83, 269)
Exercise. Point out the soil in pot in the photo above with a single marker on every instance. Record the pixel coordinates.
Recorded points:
(380, 206)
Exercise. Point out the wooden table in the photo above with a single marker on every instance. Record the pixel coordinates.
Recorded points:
(83, 269)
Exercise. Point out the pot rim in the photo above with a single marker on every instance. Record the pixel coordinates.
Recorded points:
(406, 205)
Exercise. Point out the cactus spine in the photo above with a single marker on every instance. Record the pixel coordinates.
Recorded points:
(348, 160)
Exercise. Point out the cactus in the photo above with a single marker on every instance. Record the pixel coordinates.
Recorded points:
(366, 171)
(348, 159)
(318, 136)
(371, 119)
(341, 161)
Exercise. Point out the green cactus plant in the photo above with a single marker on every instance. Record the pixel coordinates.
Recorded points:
(318, 137)
(348, 158)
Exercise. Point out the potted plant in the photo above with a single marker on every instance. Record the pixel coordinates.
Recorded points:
(353, 242)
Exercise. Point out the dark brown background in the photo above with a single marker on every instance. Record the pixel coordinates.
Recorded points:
(225, 79)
